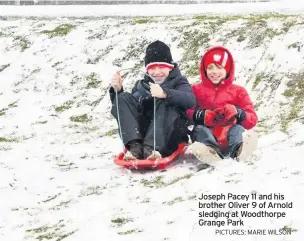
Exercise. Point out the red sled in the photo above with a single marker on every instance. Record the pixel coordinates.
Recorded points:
(151, 164)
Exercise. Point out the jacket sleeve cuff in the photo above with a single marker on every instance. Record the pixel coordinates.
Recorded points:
(112, 91)
(168, 93)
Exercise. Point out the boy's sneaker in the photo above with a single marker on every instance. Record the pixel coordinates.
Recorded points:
(129, 156)
(203, 153)
(249, 145)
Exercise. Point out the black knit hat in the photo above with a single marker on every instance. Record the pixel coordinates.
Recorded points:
(158, 54)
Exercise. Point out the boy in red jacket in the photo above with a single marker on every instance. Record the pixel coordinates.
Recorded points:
(223, 110)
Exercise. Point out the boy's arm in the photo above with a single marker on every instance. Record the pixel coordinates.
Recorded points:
(244, 103)
(182, 96)
(191, 111)
(113, 93)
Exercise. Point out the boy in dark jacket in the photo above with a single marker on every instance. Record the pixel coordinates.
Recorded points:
(224, 110)
(173, 95)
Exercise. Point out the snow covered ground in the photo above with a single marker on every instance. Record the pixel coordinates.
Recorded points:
(58, 139)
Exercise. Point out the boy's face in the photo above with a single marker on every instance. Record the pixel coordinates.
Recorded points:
(159, 73)
(216, 73)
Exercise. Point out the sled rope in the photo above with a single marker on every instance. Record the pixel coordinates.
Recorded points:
(118, 118)
(154, 114)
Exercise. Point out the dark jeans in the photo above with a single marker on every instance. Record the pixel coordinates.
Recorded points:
(170, 129)
(204, 135)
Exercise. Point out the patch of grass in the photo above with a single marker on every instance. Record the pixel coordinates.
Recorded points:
(75, 80)
(92, 129)
(130, 231)
(262, 127)
(110, 133)
(60, 205)
(265, 78)
(94, 60)
(158, 182)
(23, 42)
(41, 122)
(36, 71)
(59, 31)
(67, 105)
(62, 108)
(263, 17)
(257, 80)
(258, 34)
(121, 221)
(175, 200)
(51, 198)
(135, 48)
(295, 90)
(289, 229)
(204, 18)
(93, 81)
(13, 105)
(192, 197)
(290, 92)
(94, 190)
(57, 63)
(296, 45)
(81, 118)
(63, 236)
(50, 232)
(4, 139)
(100, 35)
(191, 42)
(301, 143)
(271, 57)
(146, 200)
(2, 113)
(241, 37)
(288, 25)
(142, 20)
(3, 67)
(41, 229)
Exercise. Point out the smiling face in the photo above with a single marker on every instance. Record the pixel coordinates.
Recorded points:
(216, 73)
(159, 73)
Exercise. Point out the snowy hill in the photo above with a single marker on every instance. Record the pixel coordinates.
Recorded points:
(58, 139)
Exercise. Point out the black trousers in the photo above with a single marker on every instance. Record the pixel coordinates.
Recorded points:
(170, 128)
(204, 135)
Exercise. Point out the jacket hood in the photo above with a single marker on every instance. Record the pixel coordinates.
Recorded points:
(225, 82)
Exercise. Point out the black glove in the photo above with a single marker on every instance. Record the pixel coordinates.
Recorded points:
(199, 117)
(240, 116)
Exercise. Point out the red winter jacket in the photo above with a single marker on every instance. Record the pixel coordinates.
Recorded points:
(209, 96)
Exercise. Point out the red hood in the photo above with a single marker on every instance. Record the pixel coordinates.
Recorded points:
(225, 82)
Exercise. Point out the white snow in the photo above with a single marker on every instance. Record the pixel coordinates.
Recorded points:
(58, 178)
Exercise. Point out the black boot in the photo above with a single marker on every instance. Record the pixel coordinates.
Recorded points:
(147, 151)
(135, 147)
(149, 154)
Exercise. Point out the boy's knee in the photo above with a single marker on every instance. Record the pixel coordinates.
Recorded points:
(201, 132)
(201, 128)
(235, 134)
(236, 130)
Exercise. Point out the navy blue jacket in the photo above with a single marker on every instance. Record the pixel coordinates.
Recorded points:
(178, 90)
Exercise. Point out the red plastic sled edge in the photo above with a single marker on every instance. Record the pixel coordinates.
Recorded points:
(147, 163)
